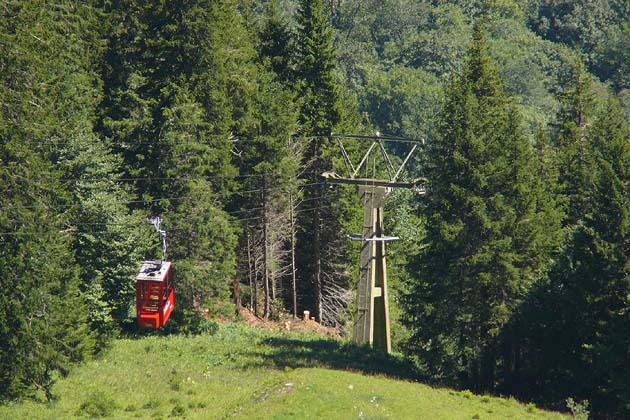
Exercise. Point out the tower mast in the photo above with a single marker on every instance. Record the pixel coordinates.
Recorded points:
(372, 319)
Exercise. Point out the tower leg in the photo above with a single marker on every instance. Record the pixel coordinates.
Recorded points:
(372, 321)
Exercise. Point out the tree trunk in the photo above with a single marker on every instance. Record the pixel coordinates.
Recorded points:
(237, 296)
(272, 270)
(317, 274)
(255, 274)
(266, 311)
(293, 270)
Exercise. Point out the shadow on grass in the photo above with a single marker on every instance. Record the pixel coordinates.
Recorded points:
(177, 325)
(286, 352)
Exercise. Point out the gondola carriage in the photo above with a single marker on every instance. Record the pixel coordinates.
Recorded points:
(155, 294)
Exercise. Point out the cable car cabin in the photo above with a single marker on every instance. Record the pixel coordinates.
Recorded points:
(155, 296)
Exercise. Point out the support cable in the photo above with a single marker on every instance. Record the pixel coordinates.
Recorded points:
(155, 200)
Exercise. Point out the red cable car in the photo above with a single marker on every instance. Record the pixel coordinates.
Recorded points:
(155, 295)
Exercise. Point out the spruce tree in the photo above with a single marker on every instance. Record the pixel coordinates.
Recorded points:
(611, 262)
(314, 70)
(107, 246)
(576, 344)
(269, 165)
(179, 94)
(555, 322)
(276, 43)
(316, 87)
(201, 240)
(323, 252)
(488, 232)
(44, 316)
(576, 164)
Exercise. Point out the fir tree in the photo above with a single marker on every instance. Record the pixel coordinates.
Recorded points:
(610, 263)
(276, 43)
(321, 244)
(571, 138)
(179, 94)
(488, 232)
(315, 65)
(44, 316)
(576, 344)
(554, 322)
(201, 240)
(107, 246)
(270, 165)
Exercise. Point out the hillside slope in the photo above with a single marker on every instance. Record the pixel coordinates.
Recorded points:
(249, 373)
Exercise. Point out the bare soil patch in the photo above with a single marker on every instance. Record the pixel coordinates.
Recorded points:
(288, 323)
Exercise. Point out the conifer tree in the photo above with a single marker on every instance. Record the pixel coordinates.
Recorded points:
(179, 93)
(315, 64)
(488, 233)
(554, 321)
(607, 265)
(574, 151)
(321, 248)
(268, 162)
(269, 165)
(44, 316)
(107, 247)
(577, 336)
(201, 240)
(276, 43)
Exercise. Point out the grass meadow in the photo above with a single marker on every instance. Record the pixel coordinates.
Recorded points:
(249, 373)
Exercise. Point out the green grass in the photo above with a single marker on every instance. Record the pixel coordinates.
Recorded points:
(242, 372)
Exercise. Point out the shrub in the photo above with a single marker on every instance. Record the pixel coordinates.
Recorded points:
(194, 323)
(153, 403)
(177, 411)
(277, 309)
(466, 394)
(579, 411)
(97, 406)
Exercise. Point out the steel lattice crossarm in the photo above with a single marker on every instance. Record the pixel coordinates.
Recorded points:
(418, 185)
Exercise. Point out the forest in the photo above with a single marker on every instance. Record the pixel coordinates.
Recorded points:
(512, 273)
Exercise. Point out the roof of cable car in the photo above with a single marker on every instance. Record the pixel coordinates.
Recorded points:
(153, 270)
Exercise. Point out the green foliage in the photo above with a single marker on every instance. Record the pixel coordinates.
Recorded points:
(403, 100)
(185, 88)
(440, 47)
(97, 406)
(488, 235)
(602, 274)
(577, 23)
(195, 325)
(579, 411)
(276, 43)
(314, 70)
(321, 246)
(402, 220)
(572, 332)
(614, 57)
(44, 315)
(576, 165)
(177, 411)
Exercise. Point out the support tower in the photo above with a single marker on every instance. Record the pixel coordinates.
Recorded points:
(372, 318)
